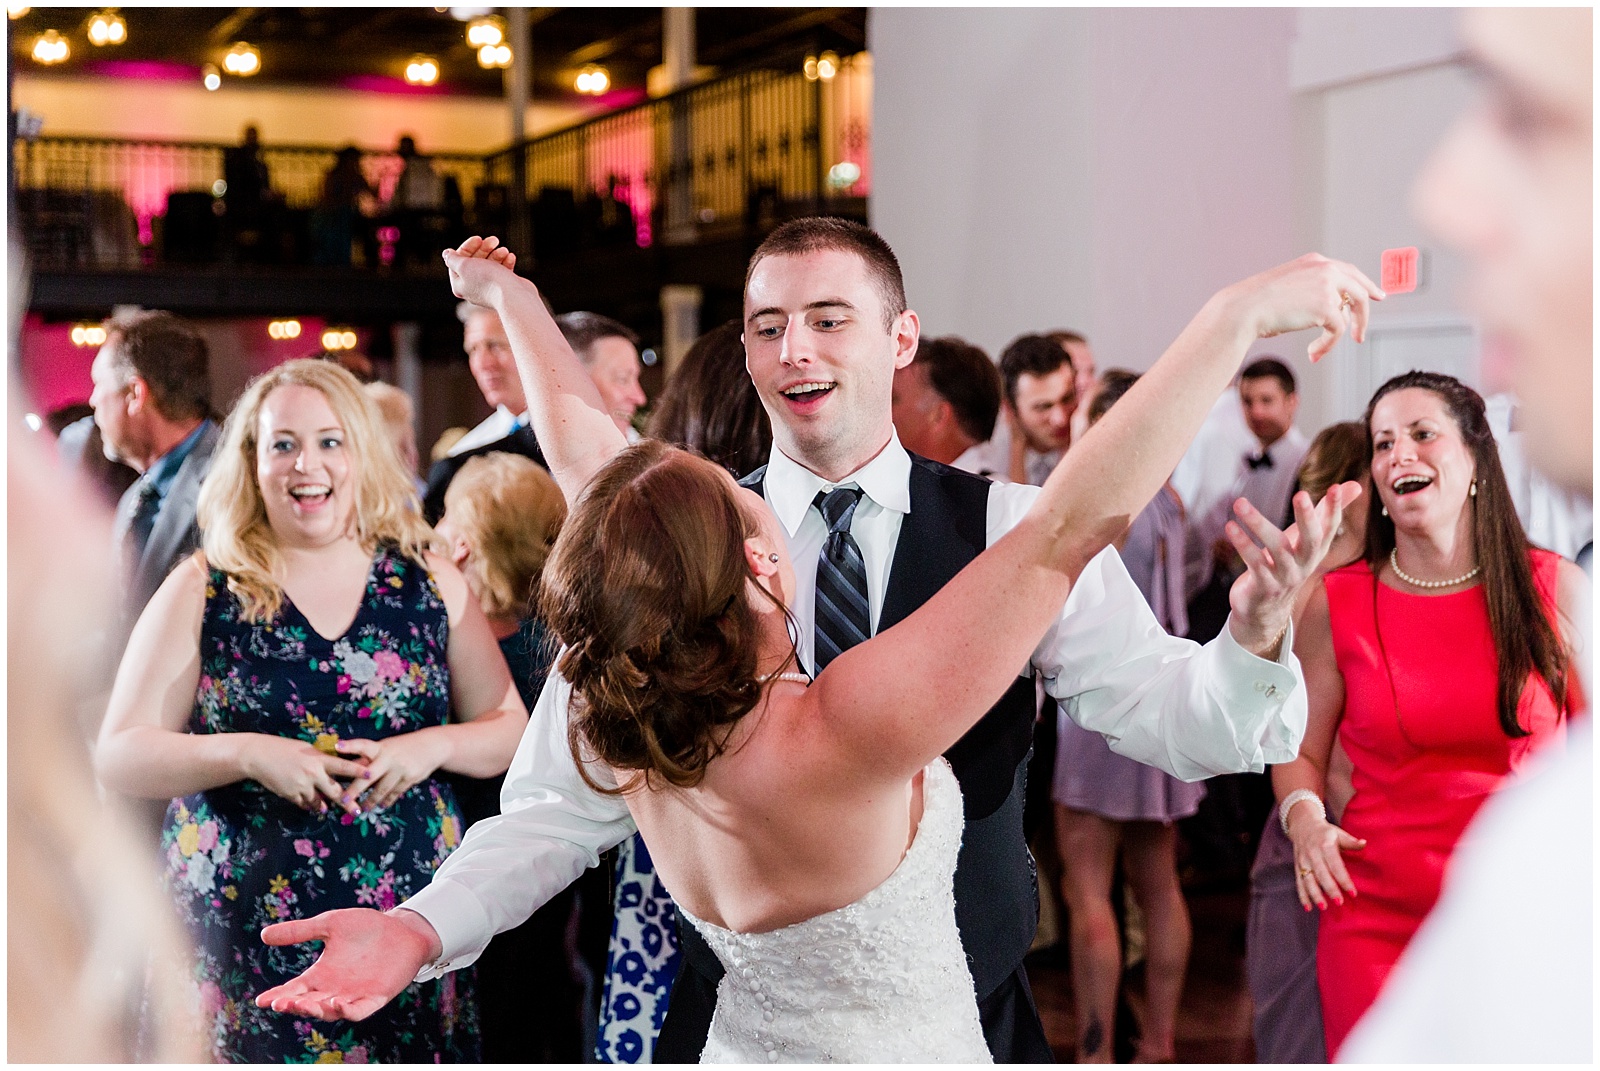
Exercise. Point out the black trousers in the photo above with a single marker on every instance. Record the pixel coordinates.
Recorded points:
(1010, 1020)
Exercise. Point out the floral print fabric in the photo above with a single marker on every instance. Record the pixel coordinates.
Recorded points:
(238, 858)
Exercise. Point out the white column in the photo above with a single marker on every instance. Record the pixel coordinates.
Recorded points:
(518, 75)
(677, 52)
(407, 338)
(680, 324)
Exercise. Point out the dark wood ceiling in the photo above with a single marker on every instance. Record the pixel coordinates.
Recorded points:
(369, 47)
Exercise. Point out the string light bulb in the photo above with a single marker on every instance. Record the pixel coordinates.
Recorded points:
(422, 70)
(88, 335)
(16, 11)
(335, 339)
(243, 59)
(107, 28)
(827, 65)
(50, 48)
(593, 80)
(486, 30)
(284, 330)
(210, 77)
(492, 56)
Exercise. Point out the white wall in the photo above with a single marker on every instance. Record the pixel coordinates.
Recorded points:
(179, 111)
(1058, 168)
(1108, 169)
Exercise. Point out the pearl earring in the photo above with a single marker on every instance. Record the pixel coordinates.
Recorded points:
(773, 558)
(1473, 490)
(1386, 511)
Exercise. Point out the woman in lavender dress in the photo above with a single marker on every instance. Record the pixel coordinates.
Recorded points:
(1106, 803)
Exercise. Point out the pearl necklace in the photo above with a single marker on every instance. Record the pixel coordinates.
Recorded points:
(796, 678)
(1414, 582)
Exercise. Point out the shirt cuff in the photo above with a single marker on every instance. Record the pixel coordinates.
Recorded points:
(460, 921)
(1266, 700)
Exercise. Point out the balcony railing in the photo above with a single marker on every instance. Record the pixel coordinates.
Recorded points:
(742, 151)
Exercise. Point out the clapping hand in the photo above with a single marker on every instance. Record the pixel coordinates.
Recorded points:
(1262, 599)
(298, 771)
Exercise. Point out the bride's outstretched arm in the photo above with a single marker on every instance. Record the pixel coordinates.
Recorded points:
(905, 696)
(576, 434)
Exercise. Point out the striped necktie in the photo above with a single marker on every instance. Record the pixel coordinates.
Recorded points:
(842, 617)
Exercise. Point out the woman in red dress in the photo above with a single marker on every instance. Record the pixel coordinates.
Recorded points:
(1439, 662)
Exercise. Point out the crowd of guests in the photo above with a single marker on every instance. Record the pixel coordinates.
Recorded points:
(311, 758)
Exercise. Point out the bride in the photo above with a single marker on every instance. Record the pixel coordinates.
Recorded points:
(809, 829)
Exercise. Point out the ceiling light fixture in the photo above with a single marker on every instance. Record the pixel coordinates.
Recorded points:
(335, 339)
(284, 329)
(107, 28)
(422, 70)
(243, 59)
(593, 80)
(487, 30)
(210, 77)
(16, 11)
(827, 65)
(50, 48)
(492, 56)
(88, 335)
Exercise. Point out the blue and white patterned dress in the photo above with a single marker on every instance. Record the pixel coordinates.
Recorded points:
(642, 963)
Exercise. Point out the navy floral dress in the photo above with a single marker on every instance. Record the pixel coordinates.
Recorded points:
(239, 857)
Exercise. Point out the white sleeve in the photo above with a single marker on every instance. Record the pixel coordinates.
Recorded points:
(552, 826)
(1165, 701)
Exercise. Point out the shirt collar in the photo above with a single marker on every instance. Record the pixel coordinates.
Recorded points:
(791, 487)
(165, 470)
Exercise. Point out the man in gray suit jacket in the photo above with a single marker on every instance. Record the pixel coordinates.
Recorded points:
(152, 403)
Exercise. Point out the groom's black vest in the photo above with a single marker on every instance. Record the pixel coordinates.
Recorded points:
(997, 896)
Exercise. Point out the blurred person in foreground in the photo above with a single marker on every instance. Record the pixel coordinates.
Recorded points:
(398, 415)
(1280, 936)
(294, 690)
(1503, 970)
(1440, 662)
(1108, 806)
(502, 514)
(1084, 367)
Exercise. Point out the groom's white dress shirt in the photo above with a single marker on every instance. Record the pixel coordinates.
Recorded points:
(1190, 710)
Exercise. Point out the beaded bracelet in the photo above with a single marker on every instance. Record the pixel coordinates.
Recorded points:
(1297, 796)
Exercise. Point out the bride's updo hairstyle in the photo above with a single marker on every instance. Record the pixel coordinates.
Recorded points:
(646, 589)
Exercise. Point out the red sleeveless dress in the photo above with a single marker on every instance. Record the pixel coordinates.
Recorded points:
(1421, 727)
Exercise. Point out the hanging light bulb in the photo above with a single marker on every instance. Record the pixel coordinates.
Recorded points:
(491, 56)
(243, 59)
(107, 28)
(422, 70)
(210, 77)
(50, 48)
(593, 80)
(16, 11)
(827, 65)
(486, 30)
(810, 68)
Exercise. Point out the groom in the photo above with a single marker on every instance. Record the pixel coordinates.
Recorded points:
(826, 325)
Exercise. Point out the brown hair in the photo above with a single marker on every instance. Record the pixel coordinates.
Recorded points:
(646, 590)
(1269, 368)
(509, 511)
(1112, 385)
(1036, 355)
(169, 355)
(1525, 638)
(963, 375)
(814, 234)
(711, 406)
(1338, 453)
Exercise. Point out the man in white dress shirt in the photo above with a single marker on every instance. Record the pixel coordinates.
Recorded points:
(1235, 704)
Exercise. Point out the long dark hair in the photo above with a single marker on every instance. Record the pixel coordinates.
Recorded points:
(1525, 638)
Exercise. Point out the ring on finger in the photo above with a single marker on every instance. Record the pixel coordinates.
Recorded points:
(1346, 301)
(1305, 872)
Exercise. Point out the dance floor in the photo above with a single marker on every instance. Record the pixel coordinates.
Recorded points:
(1214, 1017)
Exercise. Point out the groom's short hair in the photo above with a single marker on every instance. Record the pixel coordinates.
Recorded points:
(813, 234)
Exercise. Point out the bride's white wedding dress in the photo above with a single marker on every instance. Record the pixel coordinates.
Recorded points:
(882, 980)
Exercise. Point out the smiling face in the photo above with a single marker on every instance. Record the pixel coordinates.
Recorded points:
(1422, 468)
(304, 467)
(822, 353)
(613, 364)
(1512, 189)
(489, 358)
(1045, 405)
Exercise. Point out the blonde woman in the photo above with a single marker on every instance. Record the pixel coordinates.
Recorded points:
(294, 689)
(502, 513)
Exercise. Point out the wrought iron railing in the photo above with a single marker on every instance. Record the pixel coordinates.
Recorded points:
(742, 150)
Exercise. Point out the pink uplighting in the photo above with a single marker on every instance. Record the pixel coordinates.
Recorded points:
(143, 70)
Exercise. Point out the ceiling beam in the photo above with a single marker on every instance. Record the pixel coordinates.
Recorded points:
(599, 50)
(761, 38)
(228, 29)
